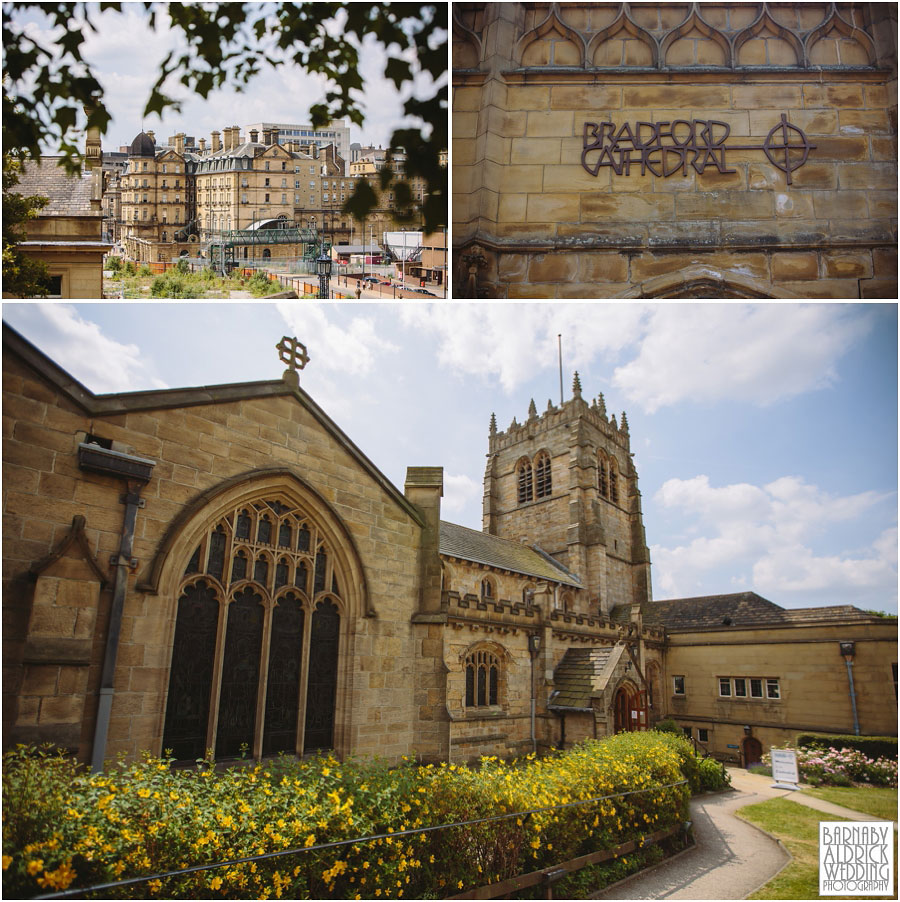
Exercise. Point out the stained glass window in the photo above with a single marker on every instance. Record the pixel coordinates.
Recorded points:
(300, 640)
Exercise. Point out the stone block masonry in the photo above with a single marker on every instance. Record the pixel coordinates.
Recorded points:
(574, 234)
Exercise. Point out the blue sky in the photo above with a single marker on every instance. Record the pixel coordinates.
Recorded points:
(764, 435)
(125, 55)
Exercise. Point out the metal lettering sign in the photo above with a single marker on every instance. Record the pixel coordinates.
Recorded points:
(665, 148)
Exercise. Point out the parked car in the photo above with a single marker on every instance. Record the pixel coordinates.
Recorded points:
(430, 294)
(372, 279)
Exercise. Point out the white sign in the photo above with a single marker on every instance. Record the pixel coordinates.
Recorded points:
(784, 768)
(856, 858)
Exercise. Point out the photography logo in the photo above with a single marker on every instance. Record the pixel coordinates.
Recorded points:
(856, 859)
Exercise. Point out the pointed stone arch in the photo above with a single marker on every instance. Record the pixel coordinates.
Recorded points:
(857, 48)
(754, 43)
(467, 47)
(630, 56)
(705, 282)
(695, 29)
(551, 43)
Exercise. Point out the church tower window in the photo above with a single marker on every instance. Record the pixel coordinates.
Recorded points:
(613, 483)
(543, 479)
(603, 477)
(222, 693)
(487, 589)
(524, 481)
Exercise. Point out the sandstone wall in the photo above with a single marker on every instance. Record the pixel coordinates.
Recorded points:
(531, 222)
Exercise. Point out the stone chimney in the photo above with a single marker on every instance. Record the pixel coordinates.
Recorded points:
(267, 136)
(151, 136)
(202, 145)
(178, 141)
(254, 135)
(92, 149)
(424, 488)
(216, 141)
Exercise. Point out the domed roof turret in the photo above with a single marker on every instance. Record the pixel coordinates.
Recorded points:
(142, 146)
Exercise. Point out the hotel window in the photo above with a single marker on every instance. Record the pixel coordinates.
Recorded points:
(296, 198)
(165, 199)
(243, 198)
(678, 685)
(284, 198)
(243, 183)
(296, 183)
(283, 166)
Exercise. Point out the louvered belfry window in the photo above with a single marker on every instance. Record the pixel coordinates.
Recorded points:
(524, 482)
(246, 598)
(543, 479)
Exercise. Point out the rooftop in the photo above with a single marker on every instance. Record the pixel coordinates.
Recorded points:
(69, 195)
(502, 554)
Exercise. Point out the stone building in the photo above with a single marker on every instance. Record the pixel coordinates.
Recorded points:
(222, 567)
(67, 233)
(675, 150)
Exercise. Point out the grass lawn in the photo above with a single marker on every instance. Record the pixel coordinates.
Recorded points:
(870, 799)
(798, 829)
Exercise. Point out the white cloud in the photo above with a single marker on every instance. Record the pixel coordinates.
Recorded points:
(769, 535)
(759, 353)
(459, 492)
(351, 350)
(515, 342)
(80, 347)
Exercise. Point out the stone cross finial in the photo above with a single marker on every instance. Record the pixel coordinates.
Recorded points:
(576, 385)
(493, 424)
(293, 353)
(601, 403)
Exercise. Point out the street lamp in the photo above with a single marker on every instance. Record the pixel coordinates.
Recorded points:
(323, 268)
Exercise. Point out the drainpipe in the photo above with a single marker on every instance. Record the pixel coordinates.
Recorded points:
(136, 472)
(534, 646)
(848, 649)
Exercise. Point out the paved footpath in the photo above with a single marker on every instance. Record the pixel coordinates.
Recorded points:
(731, 858)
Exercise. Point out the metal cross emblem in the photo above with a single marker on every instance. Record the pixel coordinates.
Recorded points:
(291, 352)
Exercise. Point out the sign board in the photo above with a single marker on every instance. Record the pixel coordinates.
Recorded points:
(784, 769)
(730, 746)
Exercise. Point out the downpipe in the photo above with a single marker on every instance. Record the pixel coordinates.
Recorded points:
(132, 501)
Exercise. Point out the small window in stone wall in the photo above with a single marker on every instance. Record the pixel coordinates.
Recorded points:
(702, 734)
(525, 485)
(542, 477)
(482, 679)
(487, 589)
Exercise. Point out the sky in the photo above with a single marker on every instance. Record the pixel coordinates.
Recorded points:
(125, 55)
(764, 435)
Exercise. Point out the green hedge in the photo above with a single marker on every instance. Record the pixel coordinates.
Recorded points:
(870, 746)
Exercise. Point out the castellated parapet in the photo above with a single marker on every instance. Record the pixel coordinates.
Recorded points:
(566, 480)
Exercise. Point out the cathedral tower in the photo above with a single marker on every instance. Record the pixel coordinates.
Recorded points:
(565, 481)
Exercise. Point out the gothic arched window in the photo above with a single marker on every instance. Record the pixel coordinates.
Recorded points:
(482, 679)
(603, 477)
(543, 482)
(524, 484)
(487, 588)
(221, 696)
(613, 483)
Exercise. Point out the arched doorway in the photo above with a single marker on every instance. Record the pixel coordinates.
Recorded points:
(629, 709)
(752, 750)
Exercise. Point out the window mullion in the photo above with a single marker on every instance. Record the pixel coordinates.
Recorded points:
(212, 726)
(304, 677)
(268, 611)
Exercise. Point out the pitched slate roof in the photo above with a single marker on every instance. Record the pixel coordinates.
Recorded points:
(576, 679)
(742, 609)
(503, 554)
(69, 195)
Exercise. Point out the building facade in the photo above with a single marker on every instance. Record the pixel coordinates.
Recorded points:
(222, 567)
(675, 150)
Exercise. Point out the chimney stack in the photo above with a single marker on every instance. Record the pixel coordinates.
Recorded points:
(254, 135)
(203, 145)
(179, 142)
(216, 142)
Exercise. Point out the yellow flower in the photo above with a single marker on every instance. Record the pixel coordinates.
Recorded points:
(215, 883)
(35, 865)
(7, 861)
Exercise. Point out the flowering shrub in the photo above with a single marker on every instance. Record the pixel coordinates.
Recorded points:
(840, 767)
(64, 828)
